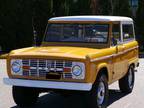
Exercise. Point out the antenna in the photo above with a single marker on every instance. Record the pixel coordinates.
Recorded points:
(34, 33)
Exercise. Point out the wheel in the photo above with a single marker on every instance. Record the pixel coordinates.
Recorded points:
(126, 84)
(24, 96)
(66, 94)
(99, 93)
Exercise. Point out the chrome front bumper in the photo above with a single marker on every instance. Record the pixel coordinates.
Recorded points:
(48, 84)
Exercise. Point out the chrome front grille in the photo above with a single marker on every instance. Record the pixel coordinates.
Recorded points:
(45, 68)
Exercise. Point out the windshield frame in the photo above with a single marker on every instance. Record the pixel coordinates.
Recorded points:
(82, 23)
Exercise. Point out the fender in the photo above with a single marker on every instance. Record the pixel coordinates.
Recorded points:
(4, 56)
(98, 69)
(133, 61)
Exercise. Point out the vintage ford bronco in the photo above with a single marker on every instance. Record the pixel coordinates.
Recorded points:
(78, 53)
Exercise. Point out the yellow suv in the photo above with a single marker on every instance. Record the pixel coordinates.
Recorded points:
(78, 53)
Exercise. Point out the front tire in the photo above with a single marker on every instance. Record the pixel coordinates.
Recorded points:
(126, 84)
(99, 92)
(24, 96)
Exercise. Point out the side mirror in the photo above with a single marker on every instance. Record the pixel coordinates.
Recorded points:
(126, 35)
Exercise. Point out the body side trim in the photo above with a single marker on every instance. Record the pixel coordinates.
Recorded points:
(113, 55)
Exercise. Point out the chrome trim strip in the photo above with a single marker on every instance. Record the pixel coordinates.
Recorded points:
(113, 55)
(101, 58)
(131, 49)
(48, 84)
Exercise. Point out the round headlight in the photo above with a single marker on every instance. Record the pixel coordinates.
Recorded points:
(16, 67)
(76, 70)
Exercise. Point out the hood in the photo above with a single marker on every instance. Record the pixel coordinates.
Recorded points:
(72, 52)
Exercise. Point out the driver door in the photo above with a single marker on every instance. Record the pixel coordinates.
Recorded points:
(119, 63)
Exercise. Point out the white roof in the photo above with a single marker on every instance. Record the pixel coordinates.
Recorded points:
(91, 18)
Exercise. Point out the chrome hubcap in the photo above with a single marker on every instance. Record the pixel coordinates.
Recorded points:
(130, 78)
(101, 93)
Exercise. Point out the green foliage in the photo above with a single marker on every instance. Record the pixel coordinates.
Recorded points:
(18, 18)
(7, 24)
(23, 26)
(140, 17)
(104, 7)
(140, 23)
(79, 7)
(122, 8)
(41, 12)
(15, 24)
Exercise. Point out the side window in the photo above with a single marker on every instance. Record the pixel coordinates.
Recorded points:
(116, 37)
(128, 33)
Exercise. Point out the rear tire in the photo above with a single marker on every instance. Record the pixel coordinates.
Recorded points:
(24, 96)
(126, 84)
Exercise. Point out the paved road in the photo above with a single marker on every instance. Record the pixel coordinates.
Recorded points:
(117, 99)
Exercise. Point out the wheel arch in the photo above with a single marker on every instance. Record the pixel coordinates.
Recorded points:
(102, 69)
(132, 64)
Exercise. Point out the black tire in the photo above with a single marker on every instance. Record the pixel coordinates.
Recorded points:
(66, 94)
(126, 83)
(96, 94)
(24, 96)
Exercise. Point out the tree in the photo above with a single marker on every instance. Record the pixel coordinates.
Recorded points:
(140, 22)
(101, 7)
(23, 27)
(16, 27)
(60, 7)
(7, 24)
(104, 7)
(121, 8)
(94, 6)
(18, 18)
(83, 7)
(41, 12)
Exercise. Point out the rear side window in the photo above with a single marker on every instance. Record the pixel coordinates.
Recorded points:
(128, 32)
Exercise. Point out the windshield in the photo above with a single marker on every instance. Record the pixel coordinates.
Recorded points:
(95, 33)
